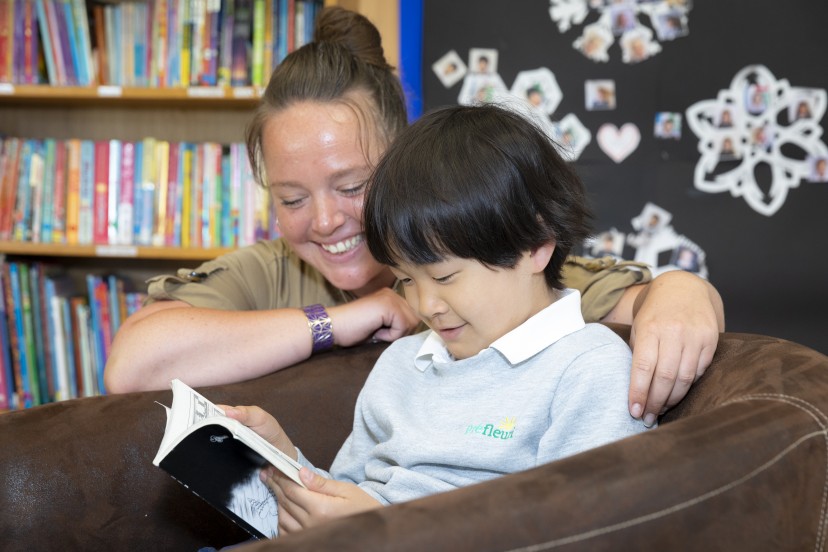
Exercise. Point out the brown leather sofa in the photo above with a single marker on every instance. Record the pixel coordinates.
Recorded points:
(740, 464)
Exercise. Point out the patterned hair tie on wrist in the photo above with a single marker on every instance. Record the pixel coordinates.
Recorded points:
(320, 326)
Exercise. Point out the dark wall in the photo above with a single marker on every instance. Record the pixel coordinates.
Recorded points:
(770, 269)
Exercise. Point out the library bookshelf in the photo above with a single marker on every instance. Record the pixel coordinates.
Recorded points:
(105, 113)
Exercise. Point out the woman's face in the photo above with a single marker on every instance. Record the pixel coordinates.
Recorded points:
(317, 171)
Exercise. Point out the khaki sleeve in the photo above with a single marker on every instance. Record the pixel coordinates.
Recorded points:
(602, 282)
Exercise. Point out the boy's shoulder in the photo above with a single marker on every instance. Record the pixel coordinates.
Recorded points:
(592, 337)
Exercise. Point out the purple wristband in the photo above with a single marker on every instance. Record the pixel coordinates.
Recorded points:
(320, 326)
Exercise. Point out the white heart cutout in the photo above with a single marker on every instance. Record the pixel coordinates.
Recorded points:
(618, 144)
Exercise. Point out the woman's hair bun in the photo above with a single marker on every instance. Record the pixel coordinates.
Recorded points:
(353, 31)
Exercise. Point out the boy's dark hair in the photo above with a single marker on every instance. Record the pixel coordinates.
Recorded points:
(480, 183)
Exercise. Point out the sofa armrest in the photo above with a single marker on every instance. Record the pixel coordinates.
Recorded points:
(78, 474)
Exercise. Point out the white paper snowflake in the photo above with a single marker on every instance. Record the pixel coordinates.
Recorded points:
(758, 121)
(622, 19)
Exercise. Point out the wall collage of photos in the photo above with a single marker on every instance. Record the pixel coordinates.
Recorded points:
(696, 126)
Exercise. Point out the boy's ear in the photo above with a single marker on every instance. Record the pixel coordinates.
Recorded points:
(542, 255)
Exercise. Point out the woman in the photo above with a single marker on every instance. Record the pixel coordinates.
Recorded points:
(329, 111)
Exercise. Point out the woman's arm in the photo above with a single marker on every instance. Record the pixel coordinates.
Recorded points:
(676, 320)
(171, 339)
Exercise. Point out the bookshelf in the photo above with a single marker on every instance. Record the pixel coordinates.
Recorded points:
(216, 114)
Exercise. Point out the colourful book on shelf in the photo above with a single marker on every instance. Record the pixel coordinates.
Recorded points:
(173, 189)
(173, 40)
(58, 216)
(257, 53)
(113, 59)
(46, 384)
(97, 328)
(113, 193)
(146, 207)
(236, 197)
(81, 17)
(159, 42)
(225, 218)
(44, 229)
(199, 26)
(225, 55)
(53, 294)
(212, 38)
(187, 152)
(141, 47)
(271, 27)
(37, 180)
(100, 201)
(67, 12)
(28, 339)
(86, 202)
(46, 40)
(125, 204)
(6, 41)
(63, 38)
(124, 42)
(162, 173)
(115, 295)
(31, 44)
(23, 206)
(18, 350)
(101, 54)
(137, 189)
(197, 191)
(185, 45)
(208, 176)
(8, 185)
(242, 28)
(73, 170)
(85, 356)
(7, 391)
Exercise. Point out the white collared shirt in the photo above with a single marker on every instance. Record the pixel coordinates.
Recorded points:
(559, 319)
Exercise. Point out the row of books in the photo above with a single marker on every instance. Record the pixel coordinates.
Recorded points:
(54, 339)
(149, 192)
(156, 43)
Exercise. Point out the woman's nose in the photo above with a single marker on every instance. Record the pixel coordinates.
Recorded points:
(328, 216)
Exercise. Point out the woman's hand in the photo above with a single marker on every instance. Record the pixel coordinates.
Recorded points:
(322, 499)
(676, 321)
(383, 315)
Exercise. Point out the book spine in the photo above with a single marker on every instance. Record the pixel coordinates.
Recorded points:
(186, 192)
(146, 220)
(242, 27)
(87, 192)
(73, 163)
(24, 193)
(36, 181)
(113, 190)
(71, 347)
(160, 42)
(211, 50)
(58, 206)
(101, 54)
(6, 41)
(86, 353)
(100, 201)
(137, 190)
(58, 339)
(225, 62)
(30, 45)
(173, 188)
(126, 206)
(45, 381)
(162, 161)
(45, 36)
(74, 42)
(81, 16)
(197, 193)
(28, 342)
(7, 392)
(173, 43)
(257, 58)
(49, 176)
(17, 338)
(186, 18)
(65, 42)
(199, 23)
(10, 179)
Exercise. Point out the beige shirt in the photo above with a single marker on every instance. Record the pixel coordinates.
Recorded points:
(269, 275)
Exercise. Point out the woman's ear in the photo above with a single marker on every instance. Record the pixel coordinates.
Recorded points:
(541, 255)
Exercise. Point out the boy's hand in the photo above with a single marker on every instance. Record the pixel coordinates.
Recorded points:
(322, 500)
(264, 424)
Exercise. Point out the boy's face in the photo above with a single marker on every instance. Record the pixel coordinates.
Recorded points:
(471, 305)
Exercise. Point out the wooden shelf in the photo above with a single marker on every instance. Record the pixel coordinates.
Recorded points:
(110, 251)
(118, 96)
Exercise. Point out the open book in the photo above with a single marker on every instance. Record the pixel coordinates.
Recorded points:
(219, 459)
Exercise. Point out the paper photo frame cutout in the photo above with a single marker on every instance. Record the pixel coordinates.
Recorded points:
(539, 88)
(450, 68)
(764, 133)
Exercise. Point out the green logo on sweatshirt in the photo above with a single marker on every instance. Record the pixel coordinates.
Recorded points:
(504, 430)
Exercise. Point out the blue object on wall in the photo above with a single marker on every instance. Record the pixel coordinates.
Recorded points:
(411, 48)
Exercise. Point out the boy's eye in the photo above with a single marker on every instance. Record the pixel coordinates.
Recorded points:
(444, 279)
(405, 281)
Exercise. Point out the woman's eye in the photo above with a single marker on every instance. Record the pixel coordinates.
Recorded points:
(354, 190)
(289, 203)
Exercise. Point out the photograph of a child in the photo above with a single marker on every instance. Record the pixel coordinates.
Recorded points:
(483, 60)
(600, 94)
(667, 125)
(450, 69)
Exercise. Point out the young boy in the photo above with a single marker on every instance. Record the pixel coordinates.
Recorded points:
(475, 211)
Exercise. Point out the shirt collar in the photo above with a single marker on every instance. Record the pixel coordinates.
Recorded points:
(559, 319)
